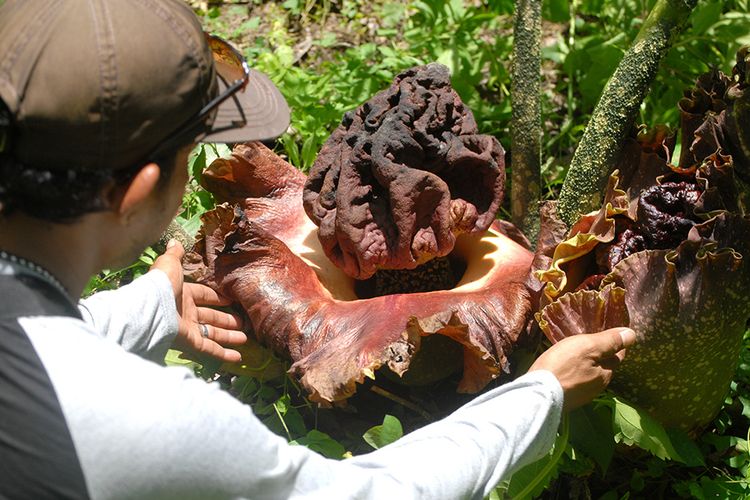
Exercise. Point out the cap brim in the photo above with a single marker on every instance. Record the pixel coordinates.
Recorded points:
(265, 109)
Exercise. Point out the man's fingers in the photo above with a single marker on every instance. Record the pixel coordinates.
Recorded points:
(219, 319)
(231, 356)
(610, 363)
(206, 296)
(170, 263)
(628, 338)
(216, 351)
(621, 354)
(225, 336)
(210, 341)
(175, 249)
(614, 340)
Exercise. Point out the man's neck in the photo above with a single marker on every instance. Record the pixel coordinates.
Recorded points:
(67, 251)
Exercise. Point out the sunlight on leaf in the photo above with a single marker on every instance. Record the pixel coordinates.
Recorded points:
(634, 427)
(321, 443)
(387, 433)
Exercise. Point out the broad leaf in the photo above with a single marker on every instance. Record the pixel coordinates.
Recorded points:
(591, 433)
(384, 434)
(322, 443)
(635, 427)
(689, 452)
(706, 488)
(745, 406)
(197, 161)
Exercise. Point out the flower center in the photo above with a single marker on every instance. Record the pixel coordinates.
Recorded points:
(441, 273)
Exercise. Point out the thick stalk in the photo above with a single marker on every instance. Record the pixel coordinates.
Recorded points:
(177, 232)
(617, 109)
(526, 124)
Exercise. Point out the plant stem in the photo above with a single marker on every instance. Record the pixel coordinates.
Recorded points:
(615, 113)
(176, 231)
(403, 402)
(526, 125)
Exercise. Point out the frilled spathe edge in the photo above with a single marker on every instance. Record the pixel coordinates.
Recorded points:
(260, 250)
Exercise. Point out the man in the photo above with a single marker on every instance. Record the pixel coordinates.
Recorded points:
(102, 101)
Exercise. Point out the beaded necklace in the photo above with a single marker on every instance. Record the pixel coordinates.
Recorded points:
(34, 269)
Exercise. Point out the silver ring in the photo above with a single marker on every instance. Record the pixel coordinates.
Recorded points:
(204, 330)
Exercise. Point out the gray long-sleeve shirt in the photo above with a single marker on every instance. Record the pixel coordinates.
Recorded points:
(141, 430)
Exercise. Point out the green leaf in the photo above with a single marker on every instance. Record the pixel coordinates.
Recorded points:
(737, 461)
(745, 406)
(148, 256)
(532, 479)
(719, 442)
(288, 418)
(173, 359)
(724, 488)
(635, 427)
(293, 5)
(291, 149)
(192, 224)
(612, 495)
(282, 404)
(214, 151)
(197, 161)
(285, 56)
(208, 365)
(591, 433)
(496, 494)
(601, 61)
(556, 11)
(384, 434)
(637, 483)
(250, 25)
(308, 152)
(705, 15)
(321, 443)
(448, 58)
(688, 451)
(294, 422)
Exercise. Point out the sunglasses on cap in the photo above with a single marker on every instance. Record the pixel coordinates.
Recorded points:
(232, 69)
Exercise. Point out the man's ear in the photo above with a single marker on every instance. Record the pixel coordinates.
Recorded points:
(129, 197)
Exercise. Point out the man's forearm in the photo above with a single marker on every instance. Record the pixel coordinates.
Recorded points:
(141, 316)
(468, 453)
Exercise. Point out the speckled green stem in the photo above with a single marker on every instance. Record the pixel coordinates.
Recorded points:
(741, 104)
(177, 232)
(526, 124)
(617, 109)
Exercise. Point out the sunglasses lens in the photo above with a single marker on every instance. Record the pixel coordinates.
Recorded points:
(229, 63)
(233, 70)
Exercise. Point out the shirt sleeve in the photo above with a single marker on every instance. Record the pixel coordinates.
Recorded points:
(141, 316)
(153, 432)
(468, 453)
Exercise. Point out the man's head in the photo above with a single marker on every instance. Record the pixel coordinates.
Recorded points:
(94, 90)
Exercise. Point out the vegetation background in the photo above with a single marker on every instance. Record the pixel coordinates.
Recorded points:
(329, 56)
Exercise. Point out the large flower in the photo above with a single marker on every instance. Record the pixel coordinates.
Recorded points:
(667, 254)
(406, 180)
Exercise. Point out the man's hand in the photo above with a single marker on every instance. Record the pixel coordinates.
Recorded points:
(584, 363)
(202, 329)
